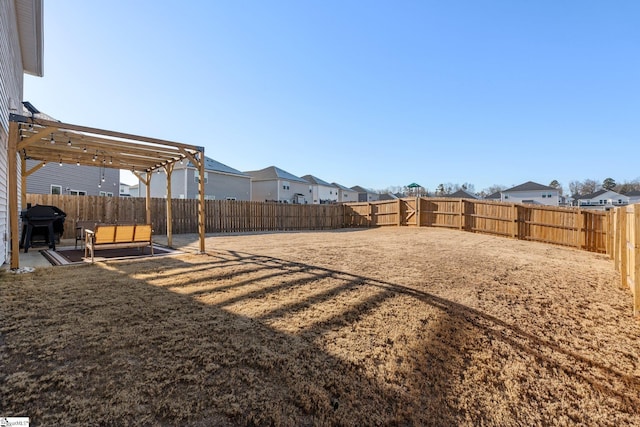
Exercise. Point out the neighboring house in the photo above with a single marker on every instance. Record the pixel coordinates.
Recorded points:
(21, 51)
(134, 190)
(321, 192)
(532, 193)
(221, 182)
(273, 184)
(565, 201)
(346, 194)
(124, 190)
(462, 194)
(602, 200)
(365, 195)
(634, 197)
(388, 196)
(497, 196)
(74, 180)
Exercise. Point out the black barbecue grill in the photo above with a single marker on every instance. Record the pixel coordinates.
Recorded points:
(41, 223)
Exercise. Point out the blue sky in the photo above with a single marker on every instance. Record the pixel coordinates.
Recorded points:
(370, 93)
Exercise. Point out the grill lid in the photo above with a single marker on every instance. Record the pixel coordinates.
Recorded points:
(43, 212)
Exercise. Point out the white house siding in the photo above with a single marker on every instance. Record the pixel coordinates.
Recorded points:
(543, 197)
(347, 196)
(72, 178)
(299, 188)
(11, 83)
(322, 193)
(608, 199)
(219, 186)
(262, 191)
(280, 190)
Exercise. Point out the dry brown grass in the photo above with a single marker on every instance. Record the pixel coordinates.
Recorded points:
(375, 327)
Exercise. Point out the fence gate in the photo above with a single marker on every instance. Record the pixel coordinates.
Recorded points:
(408, 211)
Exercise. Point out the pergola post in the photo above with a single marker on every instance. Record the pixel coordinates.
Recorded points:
(168, 168)
(147, 204)
(201, 211)
(23, 187)
(12, 160)
(198, 161)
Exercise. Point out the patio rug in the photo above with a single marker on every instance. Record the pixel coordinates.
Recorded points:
(64, 256)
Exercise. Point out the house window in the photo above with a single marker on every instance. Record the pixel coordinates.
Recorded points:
(109, 194)
(506, 196)
(544, 196)
(601, 202)
(56, 189)
(549, 195)
(196, 177)
(77, 193)
(102, 193)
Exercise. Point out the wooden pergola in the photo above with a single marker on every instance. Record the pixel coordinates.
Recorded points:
(56, 142)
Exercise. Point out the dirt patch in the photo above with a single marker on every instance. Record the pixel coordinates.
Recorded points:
(370, 327)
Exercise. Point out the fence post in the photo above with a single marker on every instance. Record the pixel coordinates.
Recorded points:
(636, 259)
(514, 219)
(370, 214)
(579, 228)
(461, 217)
(610, 233)
(623, 248)
(418, 220)
(399, 212)
(615, 228)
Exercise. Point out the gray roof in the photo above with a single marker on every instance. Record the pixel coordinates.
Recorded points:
(317, 181)
(342, 187)
(388, 196)
(596, 194)
(494, 196)
(632, 193)
(273, 173)
(215, 166)
(463, 194)
(530, 186)
(362, 189)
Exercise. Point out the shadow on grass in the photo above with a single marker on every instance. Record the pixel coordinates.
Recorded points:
(140, 343)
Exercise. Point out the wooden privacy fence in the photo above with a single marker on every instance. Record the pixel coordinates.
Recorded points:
(583, 229)
(625, 223)
(220, 215)
(580, 228)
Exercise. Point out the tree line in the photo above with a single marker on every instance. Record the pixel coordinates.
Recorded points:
(574, 188)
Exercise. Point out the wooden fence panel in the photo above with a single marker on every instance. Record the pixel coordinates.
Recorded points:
(583, 229)
(628, 231)
(220, 215)
(489, 217)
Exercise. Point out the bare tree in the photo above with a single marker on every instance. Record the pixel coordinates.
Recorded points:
(628, 186)
(494, 189)
(575, 188)
(589, 186)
